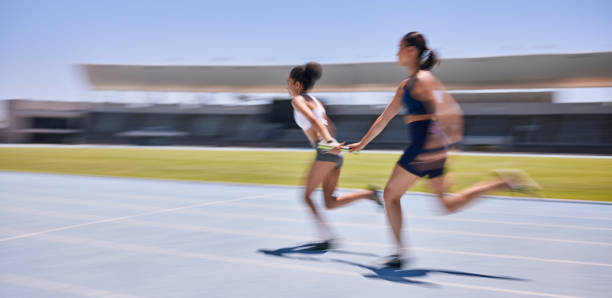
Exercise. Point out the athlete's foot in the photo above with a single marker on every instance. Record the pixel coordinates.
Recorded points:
(376, 194)
(324, 245)
(517, 180)
(393, 261)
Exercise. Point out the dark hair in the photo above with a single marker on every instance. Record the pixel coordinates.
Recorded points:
(427, 56)
(306, 74)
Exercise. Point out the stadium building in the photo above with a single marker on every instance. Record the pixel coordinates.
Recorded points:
(531, 103)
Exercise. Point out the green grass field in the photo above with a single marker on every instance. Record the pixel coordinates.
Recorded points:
(569, 178)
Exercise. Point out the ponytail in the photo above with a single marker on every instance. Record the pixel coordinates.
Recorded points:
(428, 59)
(307, 74)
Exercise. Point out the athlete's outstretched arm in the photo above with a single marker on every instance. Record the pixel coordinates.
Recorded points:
(381, 122)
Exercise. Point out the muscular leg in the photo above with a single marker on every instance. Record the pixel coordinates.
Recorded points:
(453, 203)
(396, 187)
(329, 186)
(318, 171)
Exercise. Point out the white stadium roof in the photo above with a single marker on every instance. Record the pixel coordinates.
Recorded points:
(504, 72)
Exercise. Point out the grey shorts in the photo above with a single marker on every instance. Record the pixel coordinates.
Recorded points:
(323, 155)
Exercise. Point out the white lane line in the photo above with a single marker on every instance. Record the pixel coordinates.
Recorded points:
(250, 261)
(267, 149)
(195, 196)
(135, 198)
(374, 226)
(487, 235)
(239, 232)
(287, 219)
(545, 215)
(60, 287)
(579, 156)
(101, 204)
(298, 187)
(168, 198)
(435, 218)
(514, 257)
(259, 205)
(524, 201)
(48, 213)
(114, 219)
(258, 234)
(412, 208)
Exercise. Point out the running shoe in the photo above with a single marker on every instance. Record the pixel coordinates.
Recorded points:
(323, 245)
(517, 180)
(392, 261)
(377, 194)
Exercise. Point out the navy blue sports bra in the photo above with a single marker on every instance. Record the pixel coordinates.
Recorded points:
(413, 106)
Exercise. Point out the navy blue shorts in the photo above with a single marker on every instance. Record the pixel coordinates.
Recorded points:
(418, 131)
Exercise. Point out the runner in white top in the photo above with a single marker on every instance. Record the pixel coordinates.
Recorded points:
(318, 112)
(310, 115)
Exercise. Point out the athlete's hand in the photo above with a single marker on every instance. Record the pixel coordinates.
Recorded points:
(355, 147)
(337, 148)
(329, 146)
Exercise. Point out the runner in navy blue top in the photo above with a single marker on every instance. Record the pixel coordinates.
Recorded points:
(426, 154)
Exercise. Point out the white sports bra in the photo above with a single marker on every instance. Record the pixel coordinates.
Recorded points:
(319, 113)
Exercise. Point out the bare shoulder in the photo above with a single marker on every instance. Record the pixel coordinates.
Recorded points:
(425, 82)
(426, 77)
(297, 98)
(424, 85)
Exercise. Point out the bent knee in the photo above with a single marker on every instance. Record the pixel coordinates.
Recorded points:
(449, 206)
(391, 195)
(329, 205)
(330, 202)
(306, 199)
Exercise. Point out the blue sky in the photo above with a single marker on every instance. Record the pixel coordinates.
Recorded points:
(41, 41)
